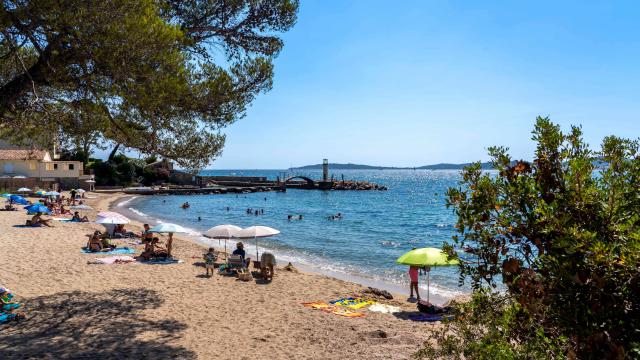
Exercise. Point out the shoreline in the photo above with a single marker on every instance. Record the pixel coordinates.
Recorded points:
(119, 200)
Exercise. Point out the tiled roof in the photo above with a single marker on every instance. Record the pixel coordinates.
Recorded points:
(22, 154)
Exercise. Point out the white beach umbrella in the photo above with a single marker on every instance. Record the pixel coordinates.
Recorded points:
(113, 220)
(24, 189)
(110, 217)
(256, 232)
(80, 191)
(223, 232)
(169, 229)
(52, 193)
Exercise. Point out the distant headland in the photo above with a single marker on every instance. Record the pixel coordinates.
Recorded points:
(350, 166)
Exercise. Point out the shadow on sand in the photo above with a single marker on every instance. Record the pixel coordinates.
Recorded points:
(84, 325)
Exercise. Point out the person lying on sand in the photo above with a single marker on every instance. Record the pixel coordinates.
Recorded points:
(76, 217)
(37, 220)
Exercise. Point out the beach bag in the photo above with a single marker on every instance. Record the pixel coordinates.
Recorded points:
(244, 276)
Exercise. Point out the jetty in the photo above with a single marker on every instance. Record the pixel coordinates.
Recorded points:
(188, 184)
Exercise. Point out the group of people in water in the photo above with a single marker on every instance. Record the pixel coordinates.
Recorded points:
(255, 212)
(337, 216)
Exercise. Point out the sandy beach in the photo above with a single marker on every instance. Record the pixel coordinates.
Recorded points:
(80, 310)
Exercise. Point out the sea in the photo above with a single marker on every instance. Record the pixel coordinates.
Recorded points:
(375, 229)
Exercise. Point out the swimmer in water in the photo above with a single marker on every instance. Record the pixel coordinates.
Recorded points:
(199, 218)
(289, 217)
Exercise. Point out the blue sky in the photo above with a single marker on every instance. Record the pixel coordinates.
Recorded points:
(419, 82)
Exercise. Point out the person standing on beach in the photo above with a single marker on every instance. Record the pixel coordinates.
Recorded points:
(209, 260)
(73, 197)
(413, 277)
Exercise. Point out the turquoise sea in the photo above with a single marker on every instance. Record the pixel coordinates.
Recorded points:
(377, 226)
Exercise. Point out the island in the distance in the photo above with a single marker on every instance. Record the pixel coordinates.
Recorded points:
(349, 166)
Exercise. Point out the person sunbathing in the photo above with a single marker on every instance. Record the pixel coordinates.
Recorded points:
(151, 250)
(76, 218)
(64, 211)
(99, 242)
(120, 231)
(37, 220)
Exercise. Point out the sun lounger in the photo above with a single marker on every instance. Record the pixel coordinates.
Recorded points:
(236, 262)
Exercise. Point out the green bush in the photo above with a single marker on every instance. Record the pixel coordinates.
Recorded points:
(562, 234)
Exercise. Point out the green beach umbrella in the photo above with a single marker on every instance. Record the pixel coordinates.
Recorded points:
(426, 257)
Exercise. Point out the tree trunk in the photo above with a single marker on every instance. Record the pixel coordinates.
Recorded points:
(113, 152)
(11, 92)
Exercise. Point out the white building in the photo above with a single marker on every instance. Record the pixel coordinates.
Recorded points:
(36, 168)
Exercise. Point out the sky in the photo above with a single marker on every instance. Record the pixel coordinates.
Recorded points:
(412, 83)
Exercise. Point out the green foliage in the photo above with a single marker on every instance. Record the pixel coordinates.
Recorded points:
(563, 236)
(124, 171)
(492, 326)
(145, 74)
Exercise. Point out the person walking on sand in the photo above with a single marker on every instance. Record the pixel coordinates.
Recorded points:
(413, 278)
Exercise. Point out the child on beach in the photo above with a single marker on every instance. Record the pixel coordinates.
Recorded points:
(209, 260)
(413, 277)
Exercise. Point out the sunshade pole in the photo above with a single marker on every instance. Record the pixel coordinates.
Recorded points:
(428, 284)
(256, 240)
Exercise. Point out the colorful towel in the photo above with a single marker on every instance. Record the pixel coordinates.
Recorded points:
(347, 313)
(352, 303)
(337, 310)
(6, 317)
(113, 259)
(117, 251)
(429, 317)
(318, 305)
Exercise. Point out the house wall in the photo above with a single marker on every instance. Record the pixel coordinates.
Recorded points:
(28, 168)
(33, 168)
(61, 169)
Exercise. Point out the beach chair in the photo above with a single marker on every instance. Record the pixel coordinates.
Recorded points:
(236, 262)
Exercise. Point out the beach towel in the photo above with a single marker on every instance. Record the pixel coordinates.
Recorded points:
(347, 313)
(117, 251)
(11, 306)
(383, 308)
(112, 260)
(6, 317)
(429, 317)
(318, 305)
(352, 303)
(161, 262)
